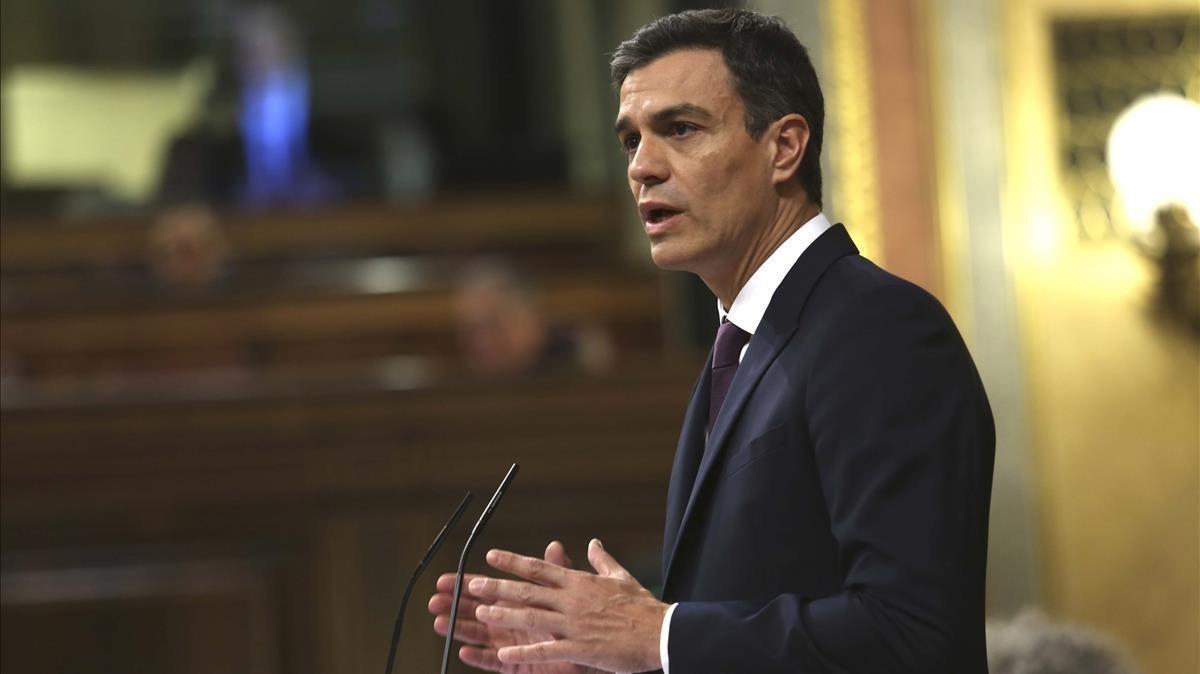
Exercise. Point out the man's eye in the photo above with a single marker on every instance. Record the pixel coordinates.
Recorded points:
(630, 142)
(681, 128)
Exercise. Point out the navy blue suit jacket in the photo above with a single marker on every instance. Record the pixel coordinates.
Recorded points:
(837, 521)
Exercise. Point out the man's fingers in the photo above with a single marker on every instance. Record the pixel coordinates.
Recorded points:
(523, 619)
(445, 582)
(441, 603)
(546, 651)
(556, 553)
(529, 568)
(604, 563)
(483, 658)
(467, 631)
(515, 591)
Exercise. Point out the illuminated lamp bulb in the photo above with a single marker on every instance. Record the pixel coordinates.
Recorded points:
(1154, 158)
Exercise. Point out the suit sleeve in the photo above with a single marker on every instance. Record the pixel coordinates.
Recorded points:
(903, 441)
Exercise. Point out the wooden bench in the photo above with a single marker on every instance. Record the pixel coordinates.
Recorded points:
(456, 225)
(269, 330)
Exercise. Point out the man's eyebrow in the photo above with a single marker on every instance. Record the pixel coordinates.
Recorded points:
(688, 109)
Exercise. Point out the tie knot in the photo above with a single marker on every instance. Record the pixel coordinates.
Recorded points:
(730, 340)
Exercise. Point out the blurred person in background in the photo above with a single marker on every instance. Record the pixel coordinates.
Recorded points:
(502, 331)
(828, 504)
(186, 250)
(1031, 644)
(273, 111)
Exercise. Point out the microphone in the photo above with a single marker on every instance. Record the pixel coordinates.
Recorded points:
(462, 562)
(433, 548)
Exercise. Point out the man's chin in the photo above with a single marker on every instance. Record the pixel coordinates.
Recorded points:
(668, 257)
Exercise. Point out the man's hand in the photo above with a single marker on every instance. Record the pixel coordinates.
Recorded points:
(605, 620)
(485, 640)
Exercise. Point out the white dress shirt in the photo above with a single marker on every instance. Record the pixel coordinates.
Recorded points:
(746, 312)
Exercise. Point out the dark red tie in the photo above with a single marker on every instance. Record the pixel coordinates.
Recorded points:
(726, 355)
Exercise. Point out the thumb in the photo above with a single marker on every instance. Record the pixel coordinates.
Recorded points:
(604, 563)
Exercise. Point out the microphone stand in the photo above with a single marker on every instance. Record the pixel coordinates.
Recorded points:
(433, 548)
(462, 562)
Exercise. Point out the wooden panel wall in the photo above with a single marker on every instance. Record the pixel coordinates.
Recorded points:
(275, 534)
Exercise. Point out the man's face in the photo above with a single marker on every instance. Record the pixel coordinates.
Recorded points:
(500, 331)
(703, 185)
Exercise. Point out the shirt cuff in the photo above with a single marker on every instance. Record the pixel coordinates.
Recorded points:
(664, 637)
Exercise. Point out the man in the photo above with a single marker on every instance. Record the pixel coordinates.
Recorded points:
(828, 504)
(502, 331)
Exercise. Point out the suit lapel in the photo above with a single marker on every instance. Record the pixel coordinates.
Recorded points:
(774, 331)
(687, 457)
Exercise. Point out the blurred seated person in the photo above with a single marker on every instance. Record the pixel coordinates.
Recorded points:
(503, 332)
(273, 111)
(186, 250)
(1031, 644)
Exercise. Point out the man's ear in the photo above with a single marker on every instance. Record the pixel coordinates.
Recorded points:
(789, 136)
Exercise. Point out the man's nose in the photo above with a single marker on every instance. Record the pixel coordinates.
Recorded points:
(648, 166)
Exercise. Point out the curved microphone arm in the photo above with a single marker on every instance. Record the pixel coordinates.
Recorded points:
(462, 562)
(412, 581)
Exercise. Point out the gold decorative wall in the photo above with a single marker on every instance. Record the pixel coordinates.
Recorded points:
(1113, 395)
(853, 149)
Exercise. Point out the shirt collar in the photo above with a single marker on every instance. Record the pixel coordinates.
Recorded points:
(751, 302)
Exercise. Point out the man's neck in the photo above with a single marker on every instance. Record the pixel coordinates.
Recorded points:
(789, 217)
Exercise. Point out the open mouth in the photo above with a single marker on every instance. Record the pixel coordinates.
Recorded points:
(657, 215)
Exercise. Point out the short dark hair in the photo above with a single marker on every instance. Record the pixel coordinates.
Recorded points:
(771, 70)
